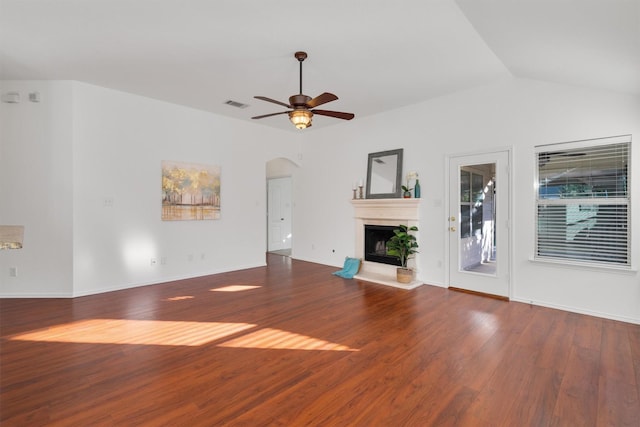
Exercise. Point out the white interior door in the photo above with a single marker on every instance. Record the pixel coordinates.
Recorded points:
(478, 222)
(279, 213)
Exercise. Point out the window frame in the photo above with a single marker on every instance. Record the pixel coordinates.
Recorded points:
(584, 201)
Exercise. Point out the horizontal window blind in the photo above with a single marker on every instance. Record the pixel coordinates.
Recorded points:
(583, 201)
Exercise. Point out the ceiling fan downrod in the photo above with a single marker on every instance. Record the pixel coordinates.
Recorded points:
(301, 56)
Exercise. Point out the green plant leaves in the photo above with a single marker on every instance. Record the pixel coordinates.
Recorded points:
(402, 244)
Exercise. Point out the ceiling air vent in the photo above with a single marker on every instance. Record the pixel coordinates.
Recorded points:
(236, 104)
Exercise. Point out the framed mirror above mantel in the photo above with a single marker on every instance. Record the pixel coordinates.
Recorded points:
(384, 175)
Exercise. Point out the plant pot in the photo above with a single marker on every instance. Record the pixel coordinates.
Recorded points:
(404, 275)
(407, 194)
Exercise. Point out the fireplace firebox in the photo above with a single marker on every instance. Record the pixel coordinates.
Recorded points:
(375, 244)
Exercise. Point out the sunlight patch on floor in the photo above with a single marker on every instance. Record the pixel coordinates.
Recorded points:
(269, 338)
(485, 324)
(142, 332)
(234, 288)
(179, 298)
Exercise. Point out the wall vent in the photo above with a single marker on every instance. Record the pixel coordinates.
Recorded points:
(236, 104)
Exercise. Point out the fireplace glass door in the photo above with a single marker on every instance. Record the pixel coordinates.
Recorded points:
(375, 244)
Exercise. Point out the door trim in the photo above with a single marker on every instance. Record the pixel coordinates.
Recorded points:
(445, 220)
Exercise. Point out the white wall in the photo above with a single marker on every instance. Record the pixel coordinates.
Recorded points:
(84, 145)
(513, 113)
(100, 168)
(35, 188)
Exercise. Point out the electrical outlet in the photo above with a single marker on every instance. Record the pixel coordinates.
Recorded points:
(13, 271)
(163, 260)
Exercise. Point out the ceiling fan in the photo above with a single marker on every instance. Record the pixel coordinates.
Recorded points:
(303, 106)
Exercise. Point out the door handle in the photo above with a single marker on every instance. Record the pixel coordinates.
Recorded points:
(452, 229)
(451, 219)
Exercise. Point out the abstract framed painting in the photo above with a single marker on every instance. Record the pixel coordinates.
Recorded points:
(190, 191)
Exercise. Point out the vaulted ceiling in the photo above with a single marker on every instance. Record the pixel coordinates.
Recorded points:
(376, 55)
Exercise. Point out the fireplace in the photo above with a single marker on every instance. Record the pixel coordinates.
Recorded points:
(381, 217)
(375, 244)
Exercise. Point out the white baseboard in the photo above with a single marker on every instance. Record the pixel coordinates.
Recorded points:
(45, 295)
(579, 310)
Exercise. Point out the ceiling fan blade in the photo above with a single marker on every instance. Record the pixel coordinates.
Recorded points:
(336, 114)
(269, 115)
(321, 99)
(264, 98)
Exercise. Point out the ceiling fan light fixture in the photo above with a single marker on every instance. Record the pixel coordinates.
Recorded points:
(301, 118)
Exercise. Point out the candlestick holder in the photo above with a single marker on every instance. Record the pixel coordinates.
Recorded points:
(360, 194)
(354, 194)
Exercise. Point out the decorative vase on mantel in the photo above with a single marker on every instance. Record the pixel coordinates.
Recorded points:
(416, 189)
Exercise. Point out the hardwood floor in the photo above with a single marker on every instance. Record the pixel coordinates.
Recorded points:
(292, 345)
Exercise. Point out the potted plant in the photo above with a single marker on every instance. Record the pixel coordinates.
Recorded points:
(406, 191)
(403, 245)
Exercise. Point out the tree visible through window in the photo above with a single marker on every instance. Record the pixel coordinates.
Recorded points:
(582, 201)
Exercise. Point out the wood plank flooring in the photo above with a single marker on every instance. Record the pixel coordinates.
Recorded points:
(292, 345)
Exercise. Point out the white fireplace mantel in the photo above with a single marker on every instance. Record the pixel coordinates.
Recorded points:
(403, 209)
(383, 212)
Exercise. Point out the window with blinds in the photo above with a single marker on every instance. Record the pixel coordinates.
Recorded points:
(582, 201)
